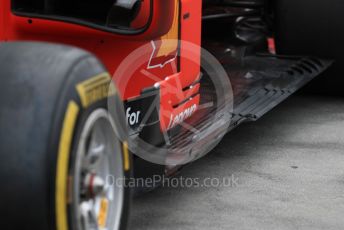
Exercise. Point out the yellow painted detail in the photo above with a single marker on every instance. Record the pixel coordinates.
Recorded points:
(126, 156)
(95, 89)
(169, 42)
(62, 165)
(103, 213)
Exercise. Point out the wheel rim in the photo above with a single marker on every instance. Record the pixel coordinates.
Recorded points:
(97, 203)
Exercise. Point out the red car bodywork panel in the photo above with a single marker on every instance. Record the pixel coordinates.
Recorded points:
(112, 49)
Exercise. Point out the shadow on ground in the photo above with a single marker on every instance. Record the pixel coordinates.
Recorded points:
(290, 171)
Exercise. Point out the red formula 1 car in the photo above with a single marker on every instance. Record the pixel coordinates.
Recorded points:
(93, 92)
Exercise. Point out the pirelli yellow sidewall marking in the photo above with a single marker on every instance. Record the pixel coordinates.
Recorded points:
(62, 165)
(126, 156)
(95, 89)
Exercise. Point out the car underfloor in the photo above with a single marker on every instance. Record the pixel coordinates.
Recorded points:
(289, 167)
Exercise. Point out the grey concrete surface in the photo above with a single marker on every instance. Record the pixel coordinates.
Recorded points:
(290, 171)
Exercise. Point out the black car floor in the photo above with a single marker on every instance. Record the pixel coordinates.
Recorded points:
(287, 171)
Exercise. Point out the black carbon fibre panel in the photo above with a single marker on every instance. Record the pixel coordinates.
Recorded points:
(259, 84)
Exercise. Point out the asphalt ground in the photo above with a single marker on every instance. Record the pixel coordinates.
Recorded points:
(287, 172)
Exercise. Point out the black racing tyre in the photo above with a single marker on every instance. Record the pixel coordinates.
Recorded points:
(60, 156)
(313, 28)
